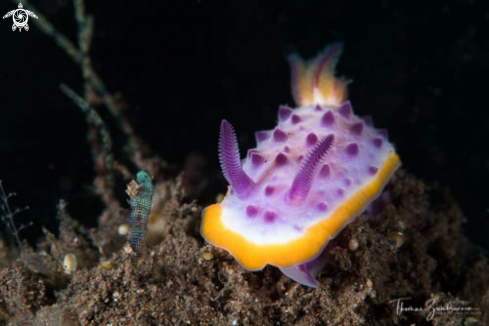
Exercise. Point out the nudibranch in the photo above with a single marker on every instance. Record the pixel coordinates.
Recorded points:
(310, 176)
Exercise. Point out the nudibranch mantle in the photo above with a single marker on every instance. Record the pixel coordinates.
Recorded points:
(306, 179)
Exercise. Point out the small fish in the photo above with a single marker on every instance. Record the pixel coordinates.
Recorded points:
(140, 194)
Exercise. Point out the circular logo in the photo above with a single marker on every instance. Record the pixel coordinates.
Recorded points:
(20, 18)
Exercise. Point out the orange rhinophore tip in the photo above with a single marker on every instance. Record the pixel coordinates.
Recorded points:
(313, 81)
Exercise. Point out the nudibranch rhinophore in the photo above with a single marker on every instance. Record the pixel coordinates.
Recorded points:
(305, 181)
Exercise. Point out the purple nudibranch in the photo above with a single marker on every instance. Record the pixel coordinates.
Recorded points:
(308, 178)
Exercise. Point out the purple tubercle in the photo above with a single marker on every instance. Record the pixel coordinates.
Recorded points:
(262, 135)
(383, 133)
(345, 109)
(327, 119)
(295, 119)
(284, 113)
(279, 135)
(302, 183)
(352, 149)
(311, 139)
(286, 149)
(368, 120)
(269, 190)
(251, 211)
(325, 171)
(281, 159)
(230, 161)
(373, 170)
(357, 128)
(378, 142)
(340, 192)
(318, 107)
(270, 217)
(257, 159)
(322, 207)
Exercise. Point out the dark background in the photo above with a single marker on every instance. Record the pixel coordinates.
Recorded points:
(420, 68)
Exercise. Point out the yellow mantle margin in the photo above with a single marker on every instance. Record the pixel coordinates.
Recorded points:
(254, 256)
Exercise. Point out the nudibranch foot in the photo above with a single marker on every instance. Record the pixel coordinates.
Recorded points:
(309, 177)
(306, 273)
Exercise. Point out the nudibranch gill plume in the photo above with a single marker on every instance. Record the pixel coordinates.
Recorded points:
(310, 176)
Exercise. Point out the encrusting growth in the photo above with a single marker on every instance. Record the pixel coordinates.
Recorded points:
(140, 194)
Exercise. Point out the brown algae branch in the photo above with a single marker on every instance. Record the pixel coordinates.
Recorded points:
(85, 34)
(7, 215)
(106, 169)
(80, 56)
